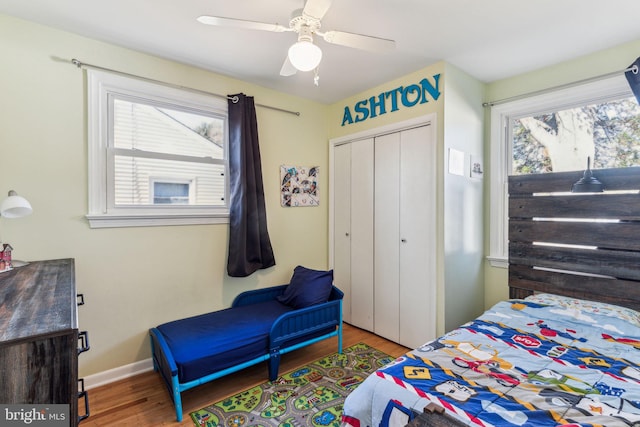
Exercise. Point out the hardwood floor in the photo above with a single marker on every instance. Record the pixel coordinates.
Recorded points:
(143, 400)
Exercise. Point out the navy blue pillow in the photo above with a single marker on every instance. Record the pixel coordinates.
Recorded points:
(307, 287)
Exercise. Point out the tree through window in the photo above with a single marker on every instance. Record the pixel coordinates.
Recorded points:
(608, 132)
(555, 131)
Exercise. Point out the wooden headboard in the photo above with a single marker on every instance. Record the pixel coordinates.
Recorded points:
(601, 239)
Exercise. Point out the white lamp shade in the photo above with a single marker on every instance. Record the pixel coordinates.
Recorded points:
(15, 206)
(304, 55)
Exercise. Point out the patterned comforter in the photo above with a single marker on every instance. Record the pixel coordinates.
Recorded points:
(543, 361)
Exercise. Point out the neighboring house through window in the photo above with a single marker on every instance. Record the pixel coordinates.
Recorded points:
(556, 132)
(157, 154)
(171, 193)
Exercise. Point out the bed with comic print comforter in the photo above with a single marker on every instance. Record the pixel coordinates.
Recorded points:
(542, 361)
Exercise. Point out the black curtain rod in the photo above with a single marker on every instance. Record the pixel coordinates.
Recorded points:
(633, 68)
(81, 64)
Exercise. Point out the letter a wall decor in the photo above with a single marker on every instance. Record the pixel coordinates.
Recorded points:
(299, 186)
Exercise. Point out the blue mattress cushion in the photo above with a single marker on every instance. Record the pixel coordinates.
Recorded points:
(307, 287)
(204, 344)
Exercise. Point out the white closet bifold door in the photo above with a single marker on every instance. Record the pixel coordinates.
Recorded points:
(418, 236)
(387, 237)
(342, 226)
(354, 243)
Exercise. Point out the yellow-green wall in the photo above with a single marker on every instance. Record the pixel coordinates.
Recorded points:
(462, 201)
(586, 67)
(136, 278)
(335, 116)
(459, 199)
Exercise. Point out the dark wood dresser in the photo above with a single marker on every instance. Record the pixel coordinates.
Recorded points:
(39, 338)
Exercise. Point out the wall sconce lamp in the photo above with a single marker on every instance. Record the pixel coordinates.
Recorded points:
(15, 206)
(588, 183)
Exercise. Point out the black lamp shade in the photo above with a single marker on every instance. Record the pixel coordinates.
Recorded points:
(588, 183)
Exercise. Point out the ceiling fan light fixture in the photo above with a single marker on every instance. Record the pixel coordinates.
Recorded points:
(304, 55)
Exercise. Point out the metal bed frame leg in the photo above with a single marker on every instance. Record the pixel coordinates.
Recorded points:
(340, 330)
(274, 364)
(177, 399)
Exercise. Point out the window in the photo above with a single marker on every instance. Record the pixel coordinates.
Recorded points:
(170, 193)
(157, 154)
(556, 132)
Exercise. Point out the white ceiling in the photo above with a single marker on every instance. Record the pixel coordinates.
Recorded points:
(489, 39)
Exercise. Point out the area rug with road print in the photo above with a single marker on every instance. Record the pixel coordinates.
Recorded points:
(312, 395)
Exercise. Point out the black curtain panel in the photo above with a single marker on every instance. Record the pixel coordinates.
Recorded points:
(633, 77)
(249, 243)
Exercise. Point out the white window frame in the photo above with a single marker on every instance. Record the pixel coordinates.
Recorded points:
(103, 212)
(577, 95)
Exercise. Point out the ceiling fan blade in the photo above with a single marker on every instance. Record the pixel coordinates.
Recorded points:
(241, 23)
(316, 8)
(359, 41)
(287, 68)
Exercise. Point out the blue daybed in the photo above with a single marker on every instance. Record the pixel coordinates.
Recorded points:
(259, 326)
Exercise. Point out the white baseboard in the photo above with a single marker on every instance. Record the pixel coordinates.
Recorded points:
(119, 373)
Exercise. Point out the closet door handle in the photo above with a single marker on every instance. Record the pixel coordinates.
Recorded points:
(403, 240)
(346, 234)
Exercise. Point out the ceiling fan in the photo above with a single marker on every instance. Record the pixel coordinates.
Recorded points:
(304, 55)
